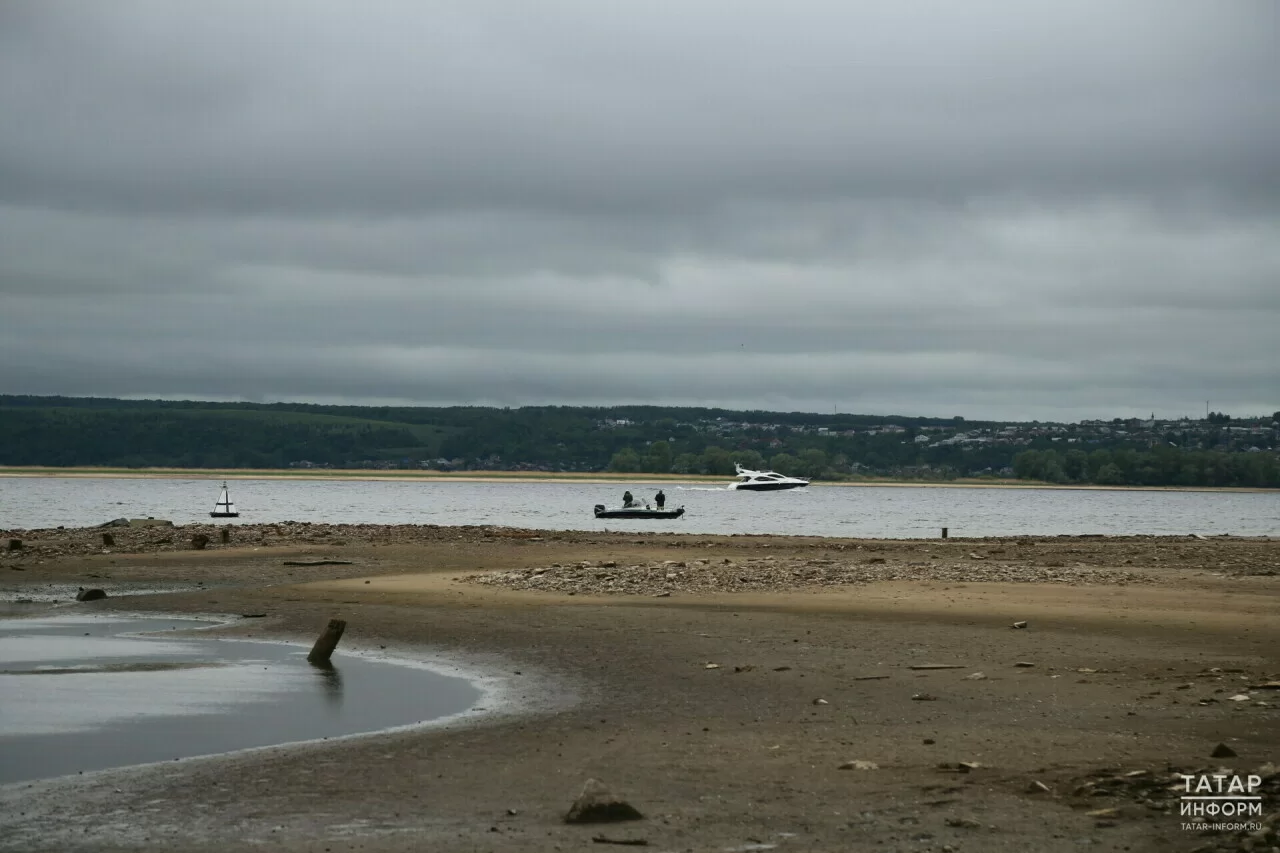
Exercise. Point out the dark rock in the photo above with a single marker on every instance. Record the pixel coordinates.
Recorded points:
(1222, 751)
(115, 522)
(199, 541)
(628, 842)
(90, 594)
(597, 804)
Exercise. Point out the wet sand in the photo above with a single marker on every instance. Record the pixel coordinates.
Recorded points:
(722, 712)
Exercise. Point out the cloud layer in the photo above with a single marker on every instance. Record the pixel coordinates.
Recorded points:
(984, 209)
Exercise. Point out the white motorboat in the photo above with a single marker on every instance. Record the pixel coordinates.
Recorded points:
(764, 481)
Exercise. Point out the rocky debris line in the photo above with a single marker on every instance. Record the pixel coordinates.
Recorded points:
(151, 538)
(771, 573)
(1111, 795)
(1231, 557)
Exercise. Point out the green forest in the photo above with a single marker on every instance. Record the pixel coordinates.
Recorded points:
(85, 432)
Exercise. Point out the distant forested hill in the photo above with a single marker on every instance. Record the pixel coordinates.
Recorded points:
(73, 431)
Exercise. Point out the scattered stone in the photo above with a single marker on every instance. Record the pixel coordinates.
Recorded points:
(821, 702)
(1038, 787)
(925, 697)
(90, 594)
(959, 767)
(1240, 697)
(317, 563)
(597, 804)
(976, 676)
(199, 541)
(1019, 624)
(1222, 751)
(712, 666)
(869, 677)
(760, 574)
(252, 615)
(1024, 664)
(858, 764)
(936, 666)
(963, 822)
(631, 842)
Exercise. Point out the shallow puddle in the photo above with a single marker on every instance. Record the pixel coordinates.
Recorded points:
(82, 693)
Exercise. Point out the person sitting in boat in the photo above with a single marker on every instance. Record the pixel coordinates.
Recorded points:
(627, 500)
(660, 499)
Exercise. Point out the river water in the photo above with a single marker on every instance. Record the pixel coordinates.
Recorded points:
(853, 511)
(87, 692)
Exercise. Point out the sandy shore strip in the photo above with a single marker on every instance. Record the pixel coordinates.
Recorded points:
(599, 478)
(723, 702)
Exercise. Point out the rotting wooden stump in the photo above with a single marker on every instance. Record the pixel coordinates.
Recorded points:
(323, 649)
(15, 544)
(199, 541)
(108, 540)
(226, 535)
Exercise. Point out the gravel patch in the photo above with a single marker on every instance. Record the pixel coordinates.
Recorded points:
(670, 577)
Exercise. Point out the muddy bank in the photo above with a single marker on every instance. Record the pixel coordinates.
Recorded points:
(723, 712)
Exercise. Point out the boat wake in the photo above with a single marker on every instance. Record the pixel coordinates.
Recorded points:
(702, 488)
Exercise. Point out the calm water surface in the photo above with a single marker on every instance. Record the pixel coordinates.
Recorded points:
(85, 693)
(38, 502)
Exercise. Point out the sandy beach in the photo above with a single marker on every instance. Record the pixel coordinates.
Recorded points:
(743, 693)
(564, 477)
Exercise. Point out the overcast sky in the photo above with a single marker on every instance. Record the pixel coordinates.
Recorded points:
(1049, 210)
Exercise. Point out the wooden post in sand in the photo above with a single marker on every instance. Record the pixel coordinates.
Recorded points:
(944, 533)
(328, 641)
(15, 544)
(226, 535)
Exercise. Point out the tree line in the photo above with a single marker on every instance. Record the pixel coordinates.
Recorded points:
(1162, 466)
(66, 432)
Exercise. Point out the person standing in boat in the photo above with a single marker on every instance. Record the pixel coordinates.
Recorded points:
(627, 500)
(660, 499)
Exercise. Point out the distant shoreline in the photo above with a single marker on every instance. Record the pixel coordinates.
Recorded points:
(549, 477)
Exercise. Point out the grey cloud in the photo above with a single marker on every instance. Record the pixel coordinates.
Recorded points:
(980, 209)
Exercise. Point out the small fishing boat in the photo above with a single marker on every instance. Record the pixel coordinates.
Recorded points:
(764, 481)
(637, 512)
(224, 508)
